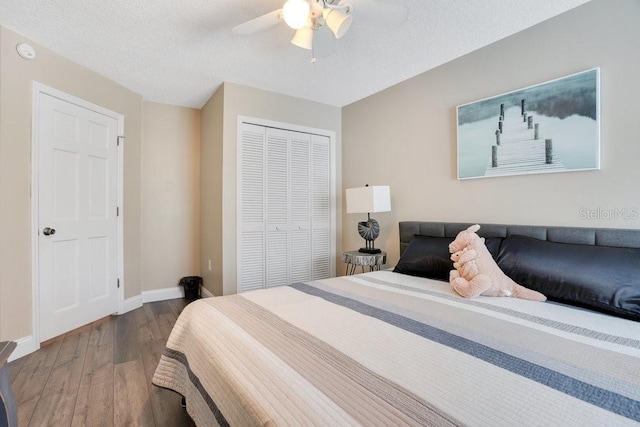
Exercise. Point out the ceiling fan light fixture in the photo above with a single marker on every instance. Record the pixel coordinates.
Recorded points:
(303, 38)
(296, 13)
(338, 21)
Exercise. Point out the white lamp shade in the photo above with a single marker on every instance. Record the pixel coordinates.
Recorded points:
(376, 198)
(296, 13)
(338, 21)
(303, 38)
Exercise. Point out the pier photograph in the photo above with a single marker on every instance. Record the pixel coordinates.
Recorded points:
(549, 127)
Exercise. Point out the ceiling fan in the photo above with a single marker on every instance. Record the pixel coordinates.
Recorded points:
(318, 23)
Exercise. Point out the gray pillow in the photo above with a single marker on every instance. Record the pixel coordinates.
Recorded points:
(426, 257)
(603, 278)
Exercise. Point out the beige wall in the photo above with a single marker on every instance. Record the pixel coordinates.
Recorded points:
(408, 133)
(237, 101)
(170, 195)
(211, 192)
(16, 77)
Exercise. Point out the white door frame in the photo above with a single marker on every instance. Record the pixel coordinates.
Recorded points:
(38, 89)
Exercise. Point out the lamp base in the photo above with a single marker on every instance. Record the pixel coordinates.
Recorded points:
(369, 251)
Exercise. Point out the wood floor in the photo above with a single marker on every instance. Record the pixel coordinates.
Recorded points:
(100, 374)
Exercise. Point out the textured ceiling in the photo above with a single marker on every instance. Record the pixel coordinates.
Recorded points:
(180, 52)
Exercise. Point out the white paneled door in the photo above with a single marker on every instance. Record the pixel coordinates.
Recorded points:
(77, 219)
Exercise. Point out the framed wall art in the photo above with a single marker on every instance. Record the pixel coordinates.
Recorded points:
(549, 127)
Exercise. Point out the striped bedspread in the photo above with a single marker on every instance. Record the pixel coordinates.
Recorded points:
(387, 349)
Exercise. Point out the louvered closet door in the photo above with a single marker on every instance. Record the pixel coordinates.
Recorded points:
(300, 211)
(284, 207)
(320, 207)
(277, 189)
(251, 242)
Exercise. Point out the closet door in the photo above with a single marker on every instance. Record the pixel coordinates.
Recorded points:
(320, 207)
(277, 218)
(300, 212)
(251, 183)
(284, 203)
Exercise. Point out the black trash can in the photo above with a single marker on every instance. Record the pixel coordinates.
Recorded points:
(191, 287)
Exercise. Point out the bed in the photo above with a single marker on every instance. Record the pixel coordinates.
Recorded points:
(385, 348)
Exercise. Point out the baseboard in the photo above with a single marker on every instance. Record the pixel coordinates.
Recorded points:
(152, 296)
(205, 292)
(162, 294)
(132, 303)
(26, 345)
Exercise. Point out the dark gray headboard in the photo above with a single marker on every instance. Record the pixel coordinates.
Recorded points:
(579, 235)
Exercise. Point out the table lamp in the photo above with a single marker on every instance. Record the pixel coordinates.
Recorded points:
(368, 199)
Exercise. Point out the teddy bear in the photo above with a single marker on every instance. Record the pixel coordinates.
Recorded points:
(483, 276)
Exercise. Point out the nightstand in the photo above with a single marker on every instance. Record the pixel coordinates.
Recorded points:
(353, 259)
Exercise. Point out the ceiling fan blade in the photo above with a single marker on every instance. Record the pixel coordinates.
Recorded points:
(259, 24)
(380, 13)
(324, 42)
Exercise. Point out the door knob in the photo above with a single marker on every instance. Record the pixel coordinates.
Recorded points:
(48, 231)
